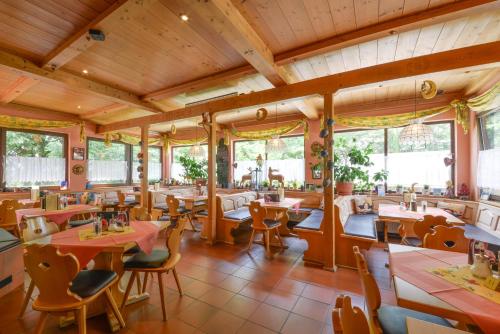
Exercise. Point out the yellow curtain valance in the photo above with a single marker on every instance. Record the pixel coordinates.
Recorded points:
(269, 133)
(128, 139)
(486, 101)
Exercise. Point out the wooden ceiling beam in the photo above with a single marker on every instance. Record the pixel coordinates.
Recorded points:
(438, 62)
(226, 20)
(104, 110)
(23, 67)
(80, 41)
(19, 110)
(17, 88)
(217, 79)
(398, 25)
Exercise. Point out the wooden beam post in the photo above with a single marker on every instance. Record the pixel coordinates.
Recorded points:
(145, 160)
(329, 217)
(211, 185)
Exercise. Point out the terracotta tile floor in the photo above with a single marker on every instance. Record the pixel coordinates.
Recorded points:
(227, 290)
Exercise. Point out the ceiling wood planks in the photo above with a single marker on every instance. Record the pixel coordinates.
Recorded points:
(460, 58)
(17, 88)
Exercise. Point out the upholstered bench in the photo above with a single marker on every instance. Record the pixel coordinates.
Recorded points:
(361, 225)
(11, 262)
(232, 214)
(310, 230)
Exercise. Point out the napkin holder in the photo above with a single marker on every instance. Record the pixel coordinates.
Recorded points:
(52, 202)
(493, 282)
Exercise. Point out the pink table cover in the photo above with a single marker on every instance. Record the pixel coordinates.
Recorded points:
(286, 203)
(57, 216)
(412, 267)
(393, 211)
(68, 241)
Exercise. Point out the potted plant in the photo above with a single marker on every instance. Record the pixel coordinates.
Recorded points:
(381, 178)
(319, 188)
(265, 185)
(194, 170)
(349, 163)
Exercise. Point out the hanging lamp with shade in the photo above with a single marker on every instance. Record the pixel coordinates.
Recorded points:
(197, 151)
(275, 144)
(416, 134)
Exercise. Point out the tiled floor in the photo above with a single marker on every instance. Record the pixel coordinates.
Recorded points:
(226, 290)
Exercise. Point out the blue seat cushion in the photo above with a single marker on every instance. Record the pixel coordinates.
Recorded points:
(163, 207)
(312, 222)
(302, 210)
(143, 260)
(134, 250)
(164, 218)
(76, 223)
(199, 203)
(202, 213)
(477, 233)
(271, 223)
(7, 240)
(393, 319)
(182, 210)
(89, 282)
(361, 226)
(241, 214)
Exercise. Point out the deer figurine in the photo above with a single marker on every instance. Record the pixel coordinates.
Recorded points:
(277, 177)
(247, 177)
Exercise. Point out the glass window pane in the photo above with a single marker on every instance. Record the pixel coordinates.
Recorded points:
(106, 164)
(488, 170)
(34, 159)
(176, 170)
(154, 163)
(490, 130)
(423, 165)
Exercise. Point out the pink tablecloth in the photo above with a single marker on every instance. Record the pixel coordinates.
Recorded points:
(145, 235)
(412, 267)
(391, 211)
(57, 216)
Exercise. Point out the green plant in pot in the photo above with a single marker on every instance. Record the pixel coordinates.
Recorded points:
(350, 164)
(193, 169)
(381, 177)
(265, 185)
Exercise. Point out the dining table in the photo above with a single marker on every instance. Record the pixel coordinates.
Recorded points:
(190, 200)
(60, 217)
(283, 206)
(407, 218)
(420, 285)
(105, 252)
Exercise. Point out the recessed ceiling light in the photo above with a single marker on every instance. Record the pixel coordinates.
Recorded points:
(85, 71)
(184, 17)
(79, 107)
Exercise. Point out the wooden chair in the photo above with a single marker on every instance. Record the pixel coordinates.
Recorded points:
(386, 319)
(347, 319)
(447, 238)
(175, 211)
(160, 261)
(141, 213)
(266, 226)
(8, 219)
(35, 228)
(122, 206)
(63, 287)
(424, 226)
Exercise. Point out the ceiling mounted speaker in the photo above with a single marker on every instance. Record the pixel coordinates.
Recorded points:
(97, 35)
(428, 89)
(173, 129)
(261, 114)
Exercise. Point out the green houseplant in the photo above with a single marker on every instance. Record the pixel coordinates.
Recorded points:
(350, 162)
(193, 169)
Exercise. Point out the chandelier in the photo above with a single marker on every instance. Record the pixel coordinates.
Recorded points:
(275, 144)
(196, 151)
(416, 134)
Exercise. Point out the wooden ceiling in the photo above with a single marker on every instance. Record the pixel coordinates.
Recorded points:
(152, 61)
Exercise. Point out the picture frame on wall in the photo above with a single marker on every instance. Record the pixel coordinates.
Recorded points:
(316, 173)
(485, 194)
(78, 153)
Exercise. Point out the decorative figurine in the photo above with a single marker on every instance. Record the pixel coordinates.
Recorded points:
(463, 192)
(481, 267)
(450, 190)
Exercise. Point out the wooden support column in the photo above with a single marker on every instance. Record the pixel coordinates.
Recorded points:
(212, 178)
(329, 217)
(145, 159)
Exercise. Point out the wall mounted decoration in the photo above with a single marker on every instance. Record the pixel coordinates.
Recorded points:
(78, 169)
(78, 153)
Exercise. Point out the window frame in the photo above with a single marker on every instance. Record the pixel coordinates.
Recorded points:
(132, 161)
(171, 157)
(386, 142)
(481, 129)
(249, 140)
(3, 148)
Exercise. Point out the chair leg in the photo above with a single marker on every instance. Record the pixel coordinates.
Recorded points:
(82, 320)
(114, 308)
(27, 298)
(41, 322)
(127, 291)
(191, 222)
(277, 231)
(138, 283)
(162, 296)
(177, 280)
(251, 241)
(146, 274)
(268, 244)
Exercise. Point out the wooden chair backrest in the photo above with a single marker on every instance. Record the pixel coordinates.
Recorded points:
(370, 289)
(139, 213)
(258, 214)
(121, 197)
(52, 273)
(173, 205)
(421, 228)
(448, 239)
(174, 241)
(8, 211)
(38, 227)
(156, 214)
(84, 198)
(347, 319)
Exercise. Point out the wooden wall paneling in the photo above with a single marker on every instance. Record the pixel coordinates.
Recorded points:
(478, 56)
(320, 66)
(412, 6)
(17, 88)
(386, 49)
(406, 44)
(449, 34)
(389, 9)
(366, 12)
(427, 39)
(343, 15)
(335, 62)
(350, 55)
(474, 26)
(321, 18)
(296, 14)
(368, 53)
(491, 32)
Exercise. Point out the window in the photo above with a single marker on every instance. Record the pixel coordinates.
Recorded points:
(407, 165)
(176, 170)
(33, 158)
(107, 164)
(154, 163)
(488, 170)
(289, 163)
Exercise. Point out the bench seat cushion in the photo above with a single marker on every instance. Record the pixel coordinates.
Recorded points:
(393, 319)
(143, 260)
(202, 213)
(199, 203)
(7, 240)
(241, 214)
(477, 233)
(312, 222)
(361, 226)
(163, 207)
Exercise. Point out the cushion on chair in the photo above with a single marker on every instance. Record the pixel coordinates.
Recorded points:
(415, 242)
(393, 319)
(271, 223)
(182, 210)
(164, 218)
(199, 203)
(89, 282)
(134, 250)
(361, 226)
(202, 213)
(143, 260)
(163, 207)
(7, 240)
(76, 223)
(241, 214)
